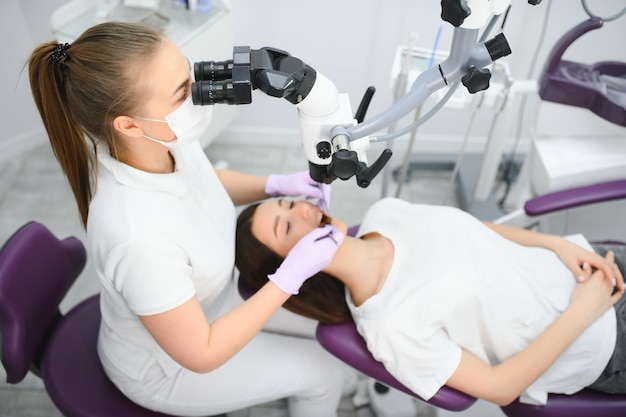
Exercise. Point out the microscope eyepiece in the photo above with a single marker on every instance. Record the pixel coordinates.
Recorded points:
(237, 90)
(213, 70)
(222, 82)
(205, 93)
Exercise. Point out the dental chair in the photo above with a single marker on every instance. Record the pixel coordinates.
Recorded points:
(345, 343)
(36, 271)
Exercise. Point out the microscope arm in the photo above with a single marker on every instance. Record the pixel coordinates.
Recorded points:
(465, 62)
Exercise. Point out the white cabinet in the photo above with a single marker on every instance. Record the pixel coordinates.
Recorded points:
(202, 36)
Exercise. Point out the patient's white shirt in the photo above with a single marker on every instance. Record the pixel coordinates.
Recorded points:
(455, 283)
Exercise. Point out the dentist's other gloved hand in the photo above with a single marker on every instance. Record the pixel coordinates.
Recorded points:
(300, 183)
(309, 256)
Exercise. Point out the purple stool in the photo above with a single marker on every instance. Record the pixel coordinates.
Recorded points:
(36, 271)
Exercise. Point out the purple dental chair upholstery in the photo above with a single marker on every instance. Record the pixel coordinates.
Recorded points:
(36, 271)
(577, 84)
(344, 342)
(575, 197)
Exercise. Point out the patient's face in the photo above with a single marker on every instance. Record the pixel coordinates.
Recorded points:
(280, 224)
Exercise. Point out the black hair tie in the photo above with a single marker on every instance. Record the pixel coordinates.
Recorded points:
(59, 56)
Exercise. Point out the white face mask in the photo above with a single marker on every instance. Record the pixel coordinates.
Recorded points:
(188, 122)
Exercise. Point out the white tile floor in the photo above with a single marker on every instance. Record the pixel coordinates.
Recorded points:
(32, 187)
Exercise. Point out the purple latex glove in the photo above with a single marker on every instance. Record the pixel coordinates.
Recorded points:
(309, 256)
(297, 184)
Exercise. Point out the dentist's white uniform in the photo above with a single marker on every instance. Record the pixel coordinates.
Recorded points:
(159, 239)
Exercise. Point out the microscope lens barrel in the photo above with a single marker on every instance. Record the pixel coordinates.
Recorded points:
(205, 93)
(213, 70)
(212, 92)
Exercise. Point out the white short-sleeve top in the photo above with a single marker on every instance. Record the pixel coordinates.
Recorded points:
(456, 284)
(156, 241)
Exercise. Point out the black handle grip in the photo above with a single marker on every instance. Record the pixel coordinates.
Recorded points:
(365, 103)
(365, 176)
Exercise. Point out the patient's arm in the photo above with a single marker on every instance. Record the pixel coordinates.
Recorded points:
(505, 382)
(579, 260)
(527, 237)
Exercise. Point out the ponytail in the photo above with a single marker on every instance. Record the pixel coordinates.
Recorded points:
(65, 134)
(80, 88)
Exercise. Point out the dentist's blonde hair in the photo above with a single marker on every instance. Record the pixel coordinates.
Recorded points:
(82, 93)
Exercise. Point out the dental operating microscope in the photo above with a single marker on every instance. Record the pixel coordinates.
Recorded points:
(334, 140)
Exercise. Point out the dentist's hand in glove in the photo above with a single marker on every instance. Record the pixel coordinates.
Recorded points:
(309, 256)
(298, 184)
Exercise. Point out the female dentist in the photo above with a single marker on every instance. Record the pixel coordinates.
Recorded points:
(160, 224)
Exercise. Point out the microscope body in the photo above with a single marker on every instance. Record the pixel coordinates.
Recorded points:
(320, 106)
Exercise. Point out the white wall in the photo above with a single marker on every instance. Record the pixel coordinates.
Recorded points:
(23, 24)
(352, 42)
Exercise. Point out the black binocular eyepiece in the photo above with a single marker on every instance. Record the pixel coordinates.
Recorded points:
(213, 70)
(219, 82)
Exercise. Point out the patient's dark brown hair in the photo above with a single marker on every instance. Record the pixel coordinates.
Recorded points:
(322, 297)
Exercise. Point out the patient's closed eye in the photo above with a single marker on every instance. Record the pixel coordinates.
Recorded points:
(288, 223)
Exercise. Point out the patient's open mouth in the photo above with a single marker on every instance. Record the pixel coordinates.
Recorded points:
(324, 219)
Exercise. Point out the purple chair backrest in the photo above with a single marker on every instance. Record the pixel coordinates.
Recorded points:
(36, 271)
(344, 342)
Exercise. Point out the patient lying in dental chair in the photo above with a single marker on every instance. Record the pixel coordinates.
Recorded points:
(442, 298)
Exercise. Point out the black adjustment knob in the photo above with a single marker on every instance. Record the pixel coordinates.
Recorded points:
(323, 150)
(319, 173)
(476, 79)
(455, 11)
(344, 165)
(498, 47)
